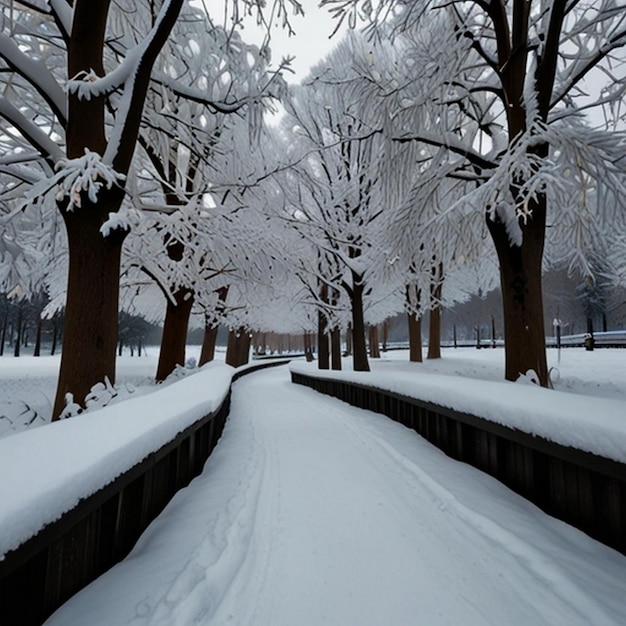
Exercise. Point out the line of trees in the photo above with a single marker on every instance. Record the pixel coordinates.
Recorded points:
(443, 152)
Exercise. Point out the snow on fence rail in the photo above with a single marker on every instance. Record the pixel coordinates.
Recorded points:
(76, 495)
(586, 490)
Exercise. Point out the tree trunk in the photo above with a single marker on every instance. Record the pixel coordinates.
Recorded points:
(323, 348)
(308, 347)
(210, 329)
(174, 339)
(37, 349)
(434, 333)
(18, 338)
(373, 341)
(434, 328)
(414, 316)
(415, 337)
(55, 334)
(238, 348)
(335, 349)
(4, 333)
(209, 340)
(91, 312)
(349, 341)
(522, 300)
(359, 346)
(243, 344)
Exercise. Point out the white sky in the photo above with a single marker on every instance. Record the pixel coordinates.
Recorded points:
(310, 43)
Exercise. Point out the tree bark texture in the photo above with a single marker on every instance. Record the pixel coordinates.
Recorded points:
(91, 313)
(209, 340)
(335, 349)
(359, 346)
(522, 299)
(174, 338)
(323, 347)
(238, 348)
(415, 337)
(434, 318)
(18, 337)
(373, 341)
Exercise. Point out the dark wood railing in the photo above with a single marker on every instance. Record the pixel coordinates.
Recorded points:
(66, 555)
(583, 489)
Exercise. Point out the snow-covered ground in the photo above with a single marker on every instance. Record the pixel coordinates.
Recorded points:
(312, 512)
(27, 384)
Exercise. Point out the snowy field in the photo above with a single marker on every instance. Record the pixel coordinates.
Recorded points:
(311, 512)
(27, 384)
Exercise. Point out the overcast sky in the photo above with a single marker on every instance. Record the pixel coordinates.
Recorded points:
(310, 43)
(311, 40)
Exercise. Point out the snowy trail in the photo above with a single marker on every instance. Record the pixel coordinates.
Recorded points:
(312, 512)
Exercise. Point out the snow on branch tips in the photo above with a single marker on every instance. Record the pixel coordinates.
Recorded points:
(75, 178)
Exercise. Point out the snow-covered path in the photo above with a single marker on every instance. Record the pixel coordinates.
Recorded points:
(312, 512)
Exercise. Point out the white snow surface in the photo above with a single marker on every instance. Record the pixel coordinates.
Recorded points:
(591, 423)
(313, 512)
(52, 467)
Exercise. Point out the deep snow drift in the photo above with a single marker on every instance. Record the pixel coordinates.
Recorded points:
(312, 512)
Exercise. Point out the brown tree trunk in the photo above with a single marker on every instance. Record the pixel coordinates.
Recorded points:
(323, 347)
(373, 341)
(415, 337)
(434, 333)
(434, 330)
(238, 348)
(207, 353)
(385, 334)
(359, 346)
(323, 338)
(210, 329)
(174, 339)
(335, 349)
(522, 300)
(90, 331)
(91, 313)
(414, 317)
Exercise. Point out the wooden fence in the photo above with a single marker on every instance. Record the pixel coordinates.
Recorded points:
(66, 555)
(583, 489)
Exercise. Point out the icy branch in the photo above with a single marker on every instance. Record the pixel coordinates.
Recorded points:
(32, 133)
(37, 75)
(75, 177)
